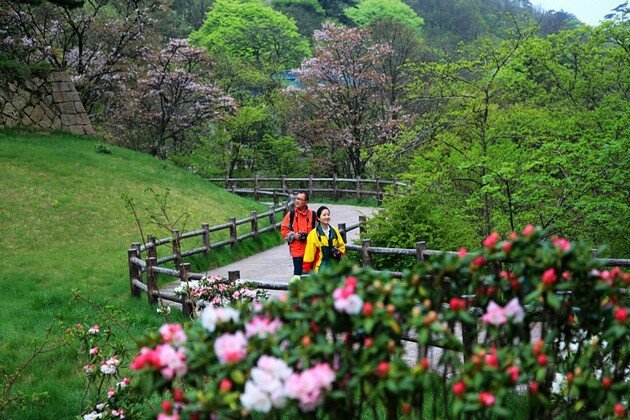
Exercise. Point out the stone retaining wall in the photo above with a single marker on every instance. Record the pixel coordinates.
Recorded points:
(51, 102)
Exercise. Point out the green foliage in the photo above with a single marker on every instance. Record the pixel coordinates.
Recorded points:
(369, 11)
(308, 14)
(265, 39)
(12, 70)
(66, 227)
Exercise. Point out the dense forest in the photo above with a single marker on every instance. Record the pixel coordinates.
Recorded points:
(496, 113)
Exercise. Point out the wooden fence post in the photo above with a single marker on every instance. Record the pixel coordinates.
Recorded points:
(134, 271)
(227, 181)
(275, 198)
(359, 187)
(335, 192)
(187, 305)
(365, 252)
(177, 248)
(395, 186)
(256, 185)
(421, 246)
(310, 186)
(283, 184)
(254, 214)
(233, 234)
(342, 231)
(379, 196)
(233, 276)
(362, 228)
(151, 280)
(272, 216)
(205, 237)
(151, 247)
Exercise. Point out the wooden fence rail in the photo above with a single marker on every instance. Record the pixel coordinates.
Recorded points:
(335, 187)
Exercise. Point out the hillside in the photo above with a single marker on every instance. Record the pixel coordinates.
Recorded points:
(65, 227)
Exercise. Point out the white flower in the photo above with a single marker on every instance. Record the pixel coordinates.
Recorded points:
(107, 369)
(514, 311)
(265, 381)
(212, 316)
(92, 416)
(277, 367)
(354, 304)
(254, 399)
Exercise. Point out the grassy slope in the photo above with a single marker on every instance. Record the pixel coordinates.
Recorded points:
(65, 226)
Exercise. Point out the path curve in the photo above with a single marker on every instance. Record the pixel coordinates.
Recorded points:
(275, 264)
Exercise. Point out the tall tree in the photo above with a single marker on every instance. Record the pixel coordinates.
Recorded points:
(343, 106)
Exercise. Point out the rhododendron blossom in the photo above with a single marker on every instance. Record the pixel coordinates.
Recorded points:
(212, 316)
(491, 240)
(345, 298)
(309, 386)
(173, 334)
(496, 315)
(267, 385)
(94, 330)
(262, 326)
(231, 348)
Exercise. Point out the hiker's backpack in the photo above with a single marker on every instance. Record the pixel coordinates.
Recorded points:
(292, 217)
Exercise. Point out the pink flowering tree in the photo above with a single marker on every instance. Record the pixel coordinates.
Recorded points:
(540, 321)
(174, 99)
(344, 106)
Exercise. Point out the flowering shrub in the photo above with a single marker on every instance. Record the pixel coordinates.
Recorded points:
(215, 291)
(538, 318)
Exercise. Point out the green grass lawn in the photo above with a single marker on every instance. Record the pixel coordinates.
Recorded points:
(65, 227)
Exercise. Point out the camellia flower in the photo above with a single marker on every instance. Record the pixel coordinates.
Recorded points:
(212, 316)
(173, 334)
(231, 348)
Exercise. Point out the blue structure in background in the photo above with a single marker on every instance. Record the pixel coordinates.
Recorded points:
(288, 79)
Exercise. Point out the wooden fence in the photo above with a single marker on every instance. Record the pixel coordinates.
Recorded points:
(334, 187)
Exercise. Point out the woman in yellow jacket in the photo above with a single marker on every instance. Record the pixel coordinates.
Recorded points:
(324, 244)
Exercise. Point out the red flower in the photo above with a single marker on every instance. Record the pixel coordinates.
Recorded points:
(368, 341)
(528, 230)
(566, 275)
(561, 243)
(457, 304)
(570, 377)
(477, 263)
(492, 360)
(368, 308)
(491, 240)
(462, 252)
(225, 385)
(382, 370)
(514, 372)
(314, 327)
(167, 407)
(424, 363)
(533, 387)
(549, 277)
(607, 382)
(537, 347)
(459, 388)
(351, 282)
(306, 341)
(406, 408)
(513, 236)
(486, 398)
(621, 315)
(619, 410)
(507, 247)
(542, 359)
(178, 395)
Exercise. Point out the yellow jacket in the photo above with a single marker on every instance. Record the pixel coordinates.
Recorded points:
(318, 249)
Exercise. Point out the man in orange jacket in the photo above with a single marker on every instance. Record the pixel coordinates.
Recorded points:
(295, 228)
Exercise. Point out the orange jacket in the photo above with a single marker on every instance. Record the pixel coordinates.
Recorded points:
(302, 222)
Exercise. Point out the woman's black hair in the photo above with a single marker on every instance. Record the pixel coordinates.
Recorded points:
(321, 210)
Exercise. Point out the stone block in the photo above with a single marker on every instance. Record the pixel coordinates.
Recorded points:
(66, 86)
(19, 102)
(88, 130)
(66, 108)
(13, 87)
(56, 124)
(73, 96)
(67, 120)
(9, 110)
(47, 99)
(76, 129)
(79, 107)
(26, 121)
(38, 113)
(10, 122)
(58, 96)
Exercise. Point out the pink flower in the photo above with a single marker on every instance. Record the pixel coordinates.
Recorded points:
(94, 330)
(494, 315)
(621, 315)
(88, 368)
(491, 240)
(147, 357)
(528, 230)
(549, 277)
(309, 386)
(382, 369)
(111, 392)
(94, 351)
(262, 326)
(514, 372)
(172, 362)
(231, 348)
(459, 388)
(514, 311)
(462, 252)
(561, 243)
(173, 334)
(346, 301)
(486, 399)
